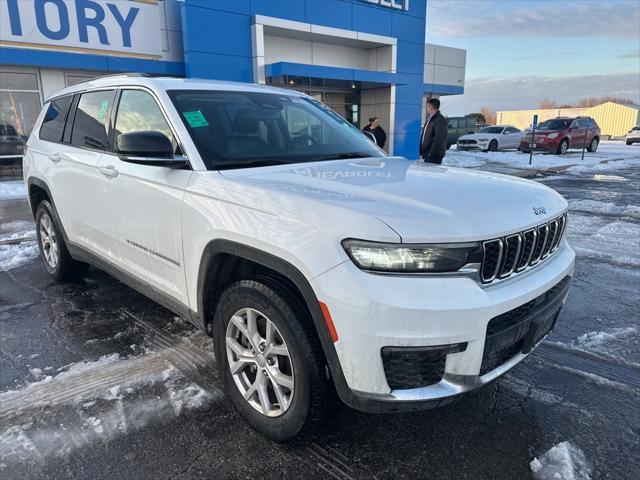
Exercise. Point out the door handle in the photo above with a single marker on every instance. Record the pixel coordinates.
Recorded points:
(55, 157)
(109, 171)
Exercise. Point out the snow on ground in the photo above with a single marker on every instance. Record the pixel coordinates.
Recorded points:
(89, 402)
(607, 208)
(16, 254)
(609, 151)
(590, 234)
(562, 462)
(12, 190)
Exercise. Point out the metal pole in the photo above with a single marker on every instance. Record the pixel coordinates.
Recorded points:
(584, 144)
(533, 139)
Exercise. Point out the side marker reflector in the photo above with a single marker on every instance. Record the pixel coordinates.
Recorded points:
(329, 321)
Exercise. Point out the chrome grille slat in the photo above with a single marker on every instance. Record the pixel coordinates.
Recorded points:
(502, 257)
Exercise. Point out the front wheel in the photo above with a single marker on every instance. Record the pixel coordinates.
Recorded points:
(270, 359)
(493, 146)
(593, 146)
(563, 147)
(53, 248)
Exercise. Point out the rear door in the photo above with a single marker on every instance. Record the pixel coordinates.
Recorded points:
(512, 137)
(76, 183)
(578, 133)
(145, 202)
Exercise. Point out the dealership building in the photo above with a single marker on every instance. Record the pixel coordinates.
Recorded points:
(363, 58)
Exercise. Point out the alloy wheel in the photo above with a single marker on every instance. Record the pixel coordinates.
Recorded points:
(48, 241)
(260, 362)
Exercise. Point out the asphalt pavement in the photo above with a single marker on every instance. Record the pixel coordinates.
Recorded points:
(97, 381)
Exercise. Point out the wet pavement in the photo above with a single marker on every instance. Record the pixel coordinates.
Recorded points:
(100, 382)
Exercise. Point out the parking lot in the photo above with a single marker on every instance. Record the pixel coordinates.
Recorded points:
(97, 381)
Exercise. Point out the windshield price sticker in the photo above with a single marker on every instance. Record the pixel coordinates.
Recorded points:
(195, 119)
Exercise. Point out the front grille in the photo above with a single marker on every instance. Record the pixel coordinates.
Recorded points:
(467, 142)
(507, 334)
(505, 256)
(414, 367)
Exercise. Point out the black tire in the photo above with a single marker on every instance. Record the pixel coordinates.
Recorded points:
(562, 150)
(593, 146)
(65, 268)
(313, 394)
(493, 146)
(629, 142)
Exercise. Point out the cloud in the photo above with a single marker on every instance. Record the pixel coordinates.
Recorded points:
(634, 54)
(526, 92)
(466, 18)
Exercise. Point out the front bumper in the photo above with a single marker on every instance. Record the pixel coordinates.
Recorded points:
(373, 312)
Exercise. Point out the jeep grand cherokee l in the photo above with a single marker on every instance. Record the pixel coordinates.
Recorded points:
(318, 264)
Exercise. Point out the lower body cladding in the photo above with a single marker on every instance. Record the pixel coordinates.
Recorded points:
(414, 342)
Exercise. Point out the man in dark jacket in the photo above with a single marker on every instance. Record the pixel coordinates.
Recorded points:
(433, 139)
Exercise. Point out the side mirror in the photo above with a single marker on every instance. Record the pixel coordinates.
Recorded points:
(148, 148)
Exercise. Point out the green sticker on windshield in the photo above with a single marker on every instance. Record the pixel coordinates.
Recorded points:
(102, 112)
(195, 119)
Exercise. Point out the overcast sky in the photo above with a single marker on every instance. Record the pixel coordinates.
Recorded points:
(521, 51)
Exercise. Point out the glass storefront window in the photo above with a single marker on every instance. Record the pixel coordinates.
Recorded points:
(20, 110)
(20, 101)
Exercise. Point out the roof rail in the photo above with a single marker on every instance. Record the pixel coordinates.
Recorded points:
(124, 74)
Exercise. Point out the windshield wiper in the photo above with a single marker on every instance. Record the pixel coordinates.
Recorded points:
(254, 163)
(341, 156)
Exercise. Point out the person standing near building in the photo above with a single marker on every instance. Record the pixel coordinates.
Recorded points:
(377, 131)
(433, 140)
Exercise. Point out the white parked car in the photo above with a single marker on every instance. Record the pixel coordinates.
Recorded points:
(633, 136)
(491, 138)
(318, 264)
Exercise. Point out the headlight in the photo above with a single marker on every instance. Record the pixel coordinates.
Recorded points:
(552, 135)
(411, 258)
(483, 139)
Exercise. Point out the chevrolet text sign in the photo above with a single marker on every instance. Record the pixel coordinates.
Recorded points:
(397, 4)
(116, 27)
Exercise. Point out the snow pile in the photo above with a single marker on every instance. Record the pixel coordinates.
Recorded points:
(563, 462)
(12, 190)
(16, 255)
(599, 340)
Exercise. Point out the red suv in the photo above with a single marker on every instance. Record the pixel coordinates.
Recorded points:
(560, 134)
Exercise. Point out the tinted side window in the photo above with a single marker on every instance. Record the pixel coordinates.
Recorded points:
(453, 123)
(139, 112)
(54, 120)
(92, 117)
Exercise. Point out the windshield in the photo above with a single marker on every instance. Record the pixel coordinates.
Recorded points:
(491, 130)
(555, 124)
(234, 129)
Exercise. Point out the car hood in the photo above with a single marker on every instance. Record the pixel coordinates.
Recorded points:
(421, 202)
(478, 136)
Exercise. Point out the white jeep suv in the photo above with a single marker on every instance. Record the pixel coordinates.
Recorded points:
(319, 264)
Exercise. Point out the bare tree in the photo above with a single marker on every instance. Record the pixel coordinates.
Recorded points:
(547, 103)
(489, 114)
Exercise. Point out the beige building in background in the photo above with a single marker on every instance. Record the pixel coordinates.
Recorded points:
(614, 119)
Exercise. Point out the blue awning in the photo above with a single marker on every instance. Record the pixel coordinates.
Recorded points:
(442, 89)
(334, 73)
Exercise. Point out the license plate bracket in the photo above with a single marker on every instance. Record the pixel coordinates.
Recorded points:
(538, 330)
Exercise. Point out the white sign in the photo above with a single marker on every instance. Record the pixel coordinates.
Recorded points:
(129, 28)
(397, 4)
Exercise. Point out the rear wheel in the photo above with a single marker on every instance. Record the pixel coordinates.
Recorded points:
(53, 248)
(629, 142)
(563, 147)
(593, 146)
(493, 146)
(270, 359)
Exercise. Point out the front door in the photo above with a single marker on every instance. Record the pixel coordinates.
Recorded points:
(146, 202)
